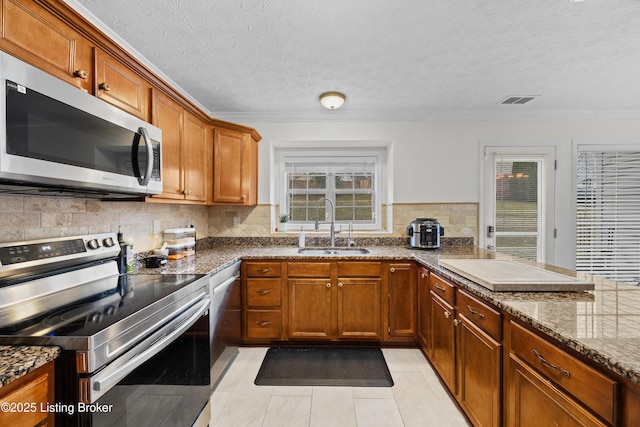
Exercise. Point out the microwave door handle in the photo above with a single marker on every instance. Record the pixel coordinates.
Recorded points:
(142, 180)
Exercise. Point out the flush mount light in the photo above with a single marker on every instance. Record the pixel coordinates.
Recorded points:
(332, 100)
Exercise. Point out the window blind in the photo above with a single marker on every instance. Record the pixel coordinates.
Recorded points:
(608, 214)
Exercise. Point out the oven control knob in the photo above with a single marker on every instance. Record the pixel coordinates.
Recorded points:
(108, 242)
(110, 310)
(94, 317)
(93, 244)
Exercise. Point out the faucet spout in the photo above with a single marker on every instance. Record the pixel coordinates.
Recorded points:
(332, 234)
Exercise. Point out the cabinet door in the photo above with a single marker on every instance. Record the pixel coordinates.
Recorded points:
(533, 401)
(168, 116)
(196, 161)
(403, 300)
(442, 339)
(120, 86)
(310, 308)
(479, 372)
(423, 308)
(34, 35)
(234, 167)
(359, 308)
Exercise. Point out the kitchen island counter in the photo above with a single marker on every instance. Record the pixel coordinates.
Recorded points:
(601, 325)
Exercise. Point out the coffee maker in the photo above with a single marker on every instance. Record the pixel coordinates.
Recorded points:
(424, 233)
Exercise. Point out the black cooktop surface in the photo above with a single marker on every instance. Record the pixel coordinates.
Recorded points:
(126, 295)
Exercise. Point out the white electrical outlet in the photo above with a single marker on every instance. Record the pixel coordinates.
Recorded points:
(156, 226)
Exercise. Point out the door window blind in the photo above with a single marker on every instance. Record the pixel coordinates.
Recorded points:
(608, 214)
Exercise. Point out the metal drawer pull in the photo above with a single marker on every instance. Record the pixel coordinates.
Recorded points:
(440, 288)
(423, 275)
(447, 314)
(475, 313)
(263, 323)
(264, 270)
(551, 365)
(263, 291)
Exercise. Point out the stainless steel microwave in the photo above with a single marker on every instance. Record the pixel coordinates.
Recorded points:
(57, 139)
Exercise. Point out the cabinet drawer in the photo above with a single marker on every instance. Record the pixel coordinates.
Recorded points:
(264, 324)
(597, 391)
(359, 269)
(263, 269)
(480, 314)
(442, 288)
(309, 269)
(264, 292)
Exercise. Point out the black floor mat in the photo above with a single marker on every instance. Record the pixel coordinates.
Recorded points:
(324, 366)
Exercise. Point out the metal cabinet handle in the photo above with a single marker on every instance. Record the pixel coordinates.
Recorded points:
(423, 275)
(263, 323)
(456, 322)
(244, 197)
(328, 285)
(475, 312)
(447, 314)
(104, 86)
(263, 291)
(551, 365)
(82, 74)
(264, 270)
(440, 288)
(392, 270)
(340, 284)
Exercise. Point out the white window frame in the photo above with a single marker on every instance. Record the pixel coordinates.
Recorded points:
(376, 151)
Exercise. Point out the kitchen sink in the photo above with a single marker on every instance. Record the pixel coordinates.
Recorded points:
(333, 251)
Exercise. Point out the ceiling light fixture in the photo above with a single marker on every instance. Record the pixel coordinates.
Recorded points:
(332, 100)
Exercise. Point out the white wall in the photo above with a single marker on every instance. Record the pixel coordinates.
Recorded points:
(438, 161)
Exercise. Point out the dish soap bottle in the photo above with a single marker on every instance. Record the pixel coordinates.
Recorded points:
(301, 238)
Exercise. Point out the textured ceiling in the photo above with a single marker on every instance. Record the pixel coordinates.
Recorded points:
(248, 60)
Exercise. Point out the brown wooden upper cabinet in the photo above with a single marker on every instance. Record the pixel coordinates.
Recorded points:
(39, 38)
(185, 151)
(235, 167)
(118, 85)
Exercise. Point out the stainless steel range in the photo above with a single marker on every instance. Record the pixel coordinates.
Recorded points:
(128, 340)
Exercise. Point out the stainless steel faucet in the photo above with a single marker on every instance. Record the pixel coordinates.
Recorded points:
(332, 232)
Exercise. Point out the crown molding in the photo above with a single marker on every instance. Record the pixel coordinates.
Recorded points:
(409, 116)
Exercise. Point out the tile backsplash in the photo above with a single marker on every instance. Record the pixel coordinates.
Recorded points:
(34, 217)
(458, 219)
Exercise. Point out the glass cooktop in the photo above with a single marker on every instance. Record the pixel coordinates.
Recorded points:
(126, 296)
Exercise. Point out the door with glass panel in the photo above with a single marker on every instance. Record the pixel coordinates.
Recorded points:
(518, 202)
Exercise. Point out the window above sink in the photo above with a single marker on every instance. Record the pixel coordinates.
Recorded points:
(352, 177)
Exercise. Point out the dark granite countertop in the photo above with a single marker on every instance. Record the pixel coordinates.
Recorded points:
(601, 324)
(18, 360)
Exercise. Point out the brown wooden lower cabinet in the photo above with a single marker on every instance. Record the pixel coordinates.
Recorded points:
(334, 300)
(403, 301)
(359, 311)
(310, 308)
(423, 308)
(28, 395)
(479, 372)
(535, 401)
(262, 301)
(442, 340)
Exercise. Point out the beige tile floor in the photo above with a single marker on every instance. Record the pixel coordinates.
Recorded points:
(416, 399)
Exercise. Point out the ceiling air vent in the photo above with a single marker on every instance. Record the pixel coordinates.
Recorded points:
(517, 100)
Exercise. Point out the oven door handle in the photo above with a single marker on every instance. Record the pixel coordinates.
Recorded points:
(92, 388)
